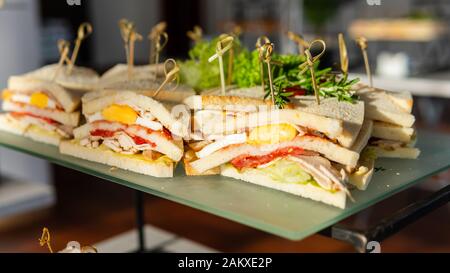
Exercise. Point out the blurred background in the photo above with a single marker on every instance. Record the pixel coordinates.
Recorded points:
(408, 51)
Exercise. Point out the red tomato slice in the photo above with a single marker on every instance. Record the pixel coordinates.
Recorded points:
(22, 114)
(251, 161)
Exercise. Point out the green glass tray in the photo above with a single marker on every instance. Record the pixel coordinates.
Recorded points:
(272, 211)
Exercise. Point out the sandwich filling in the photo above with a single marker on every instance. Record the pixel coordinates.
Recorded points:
(39, 109)
(388, 145)
(275, 150)
(129, 130)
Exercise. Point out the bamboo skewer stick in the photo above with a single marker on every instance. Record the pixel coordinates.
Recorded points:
(362, 43)
(84, 30)
(222, 47)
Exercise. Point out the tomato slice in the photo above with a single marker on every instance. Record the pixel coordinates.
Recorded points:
(102, 133)
(140, 141)
(107, 133)
(22, 114)
(253, 161)
(296, 91)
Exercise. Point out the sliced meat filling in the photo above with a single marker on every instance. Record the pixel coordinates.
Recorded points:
(389, 145)
(129, 139)
(44, 122)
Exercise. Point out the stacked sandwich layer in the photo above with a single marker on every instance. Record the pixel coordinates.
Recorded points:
(393, 133)
(77, 78)
(41, 110)
(286, 149)
(119, 73)
(129, 131)
(355, 136)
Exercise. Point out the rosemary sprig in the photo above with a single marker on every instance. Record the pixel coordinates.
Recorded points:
(281, 97)
(340, 88)
(329, 84)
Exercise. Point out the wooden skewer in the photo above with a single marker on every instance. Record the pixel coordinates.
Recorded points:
(309, 63)
(133, 38)
(196, 34)
(222, 47)
(267, 49)
(236, 32)
(262, 40)
(45, 239)
(171, 74)
(304, 66)
(160, 46)
(84, 30)
(155, 41)
(126, 30)
(362, 43)
(343, 54)
(230, 60)
(63, 47)
(298, 39)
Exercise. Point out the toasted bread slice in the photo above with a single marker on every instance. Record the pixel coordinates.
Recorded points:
(126, 162)
(119, 73)
(363, 137)
(380, 107)
(227, 103)
(211, 122)
(12, 125)
(351, 114)
(254, 176)
(169, 93)
(80, 79)
(255, 92)
(68, 100)
(401, 152)
(402, 99)
(42, 135)
(392, 132)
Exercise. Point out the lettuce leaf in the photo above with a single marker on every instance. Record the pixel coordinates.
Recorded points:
(287, 171)
(198, 72)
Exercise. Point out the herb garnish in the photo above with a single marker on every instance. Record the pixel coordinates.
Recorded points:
(201, 75)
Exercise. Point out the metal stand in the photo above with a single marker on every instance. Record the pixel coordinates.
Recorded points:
(140, 222)
(139, 205)
(363, 240)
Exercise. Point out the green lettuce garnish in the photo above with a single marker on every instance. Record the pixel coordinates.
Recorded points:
(200, 74)
(287, 171)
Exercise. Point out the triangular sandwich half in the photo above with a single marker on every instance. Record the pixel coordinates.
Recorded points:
(130, 131)
(393, 132)
(81, 79)
(283, 149)
(41, 110)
